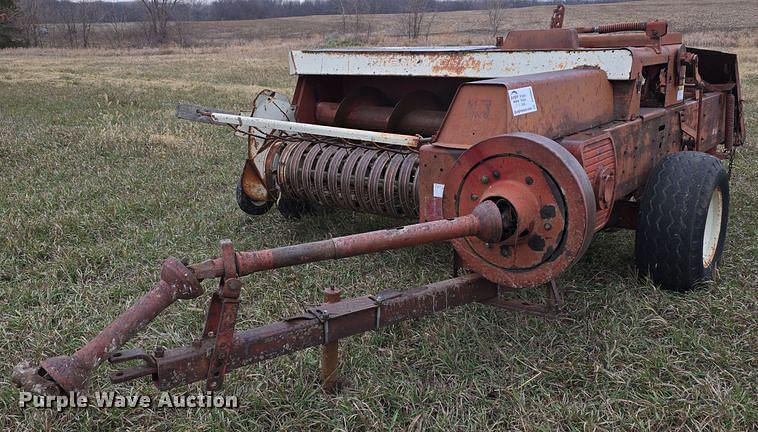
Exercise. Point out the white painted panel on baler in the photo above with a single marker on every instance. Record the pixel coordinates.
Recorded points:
(464, 62)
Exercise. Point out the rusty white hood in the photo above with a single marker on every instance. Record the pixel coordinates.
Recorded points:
(463, 62)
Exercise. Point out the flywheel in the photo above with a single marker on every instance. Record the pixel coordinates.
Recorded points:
(545, 197)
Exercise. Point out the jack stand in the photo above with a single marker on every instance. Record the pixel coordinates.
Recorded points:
(330, 354)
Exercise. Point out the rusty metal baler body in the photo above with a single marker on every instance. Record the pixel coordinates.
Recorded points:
(517, 153)
(618, 103)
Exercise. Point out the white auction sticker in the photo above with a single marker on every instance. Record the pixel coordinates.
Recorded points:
(522, 101)
(439, 190)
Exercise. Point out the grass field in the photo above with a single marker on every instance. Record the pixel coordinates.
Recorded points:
(100, 183)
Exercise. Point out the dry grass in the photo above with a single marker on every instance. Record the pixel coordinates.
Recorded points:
(100, 183)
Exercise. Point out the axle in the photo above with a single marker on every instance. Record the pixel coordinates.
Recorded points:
(70, 373)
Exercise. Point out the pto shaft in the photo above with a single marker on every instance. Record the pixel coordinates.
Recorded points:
(485, 222)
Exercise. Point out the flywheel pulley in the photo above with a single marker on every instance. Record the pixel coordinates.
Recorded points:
(544, 196)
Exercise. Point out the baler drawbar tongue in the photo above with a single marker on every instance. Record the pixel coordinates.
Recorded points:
(220, 349)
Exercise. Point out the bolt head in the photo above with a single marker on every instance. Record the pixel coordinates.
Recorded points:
(234, 284)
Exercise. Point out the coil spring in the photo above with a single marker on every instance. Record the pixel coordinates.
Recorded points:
(360, 179)
(620, 27)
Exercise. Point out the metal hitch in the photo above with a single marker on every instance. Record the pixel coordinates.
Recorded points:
(220, 349)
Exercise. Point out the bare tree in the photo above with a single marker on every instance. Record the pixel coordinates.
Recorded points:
(181, 16)
(67, 14)
(415, 17)
(116, 19)
(78, 19)
(343, 13)
(159, 12)
(29, 21)
(428, 24)
(495, 15)
(356, 8)
(89, 13)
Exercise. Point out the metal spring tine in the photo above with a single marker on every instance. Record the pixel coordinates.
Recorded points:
(334, 174)
(321, 177)
(378, 168)
(391, 191)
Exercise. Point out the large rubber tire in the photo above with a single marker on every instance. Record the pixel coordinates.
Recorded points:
(683, 217)
(249, 206)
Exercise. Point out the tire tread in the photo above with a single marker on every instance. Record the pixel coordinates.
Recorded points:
(668, 244)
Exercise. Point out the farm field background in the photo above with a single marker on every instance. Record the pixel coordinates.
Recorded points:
(100, 183)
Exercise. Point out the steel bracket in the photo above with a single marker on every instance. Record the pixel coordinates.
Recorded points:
(380, 298)
(550, 309)
(148, 366)
(323, 317)
(222, 317)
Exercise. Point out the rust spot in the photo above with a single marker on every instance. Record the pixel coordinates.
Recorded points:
(455, 64)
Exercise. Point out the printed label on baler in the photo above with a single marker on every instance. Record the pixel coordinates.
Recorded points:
(439, 190)
(522, 101)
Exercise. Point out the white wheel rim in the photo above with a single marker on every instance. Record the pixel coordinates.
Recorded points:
(712, 230)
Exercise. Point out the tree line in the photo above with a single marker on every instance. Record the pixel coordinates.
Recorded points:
(218, 10)
(26, 21)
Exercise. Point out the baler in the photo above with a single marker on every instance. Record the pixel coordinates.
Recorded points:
(517, 153)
